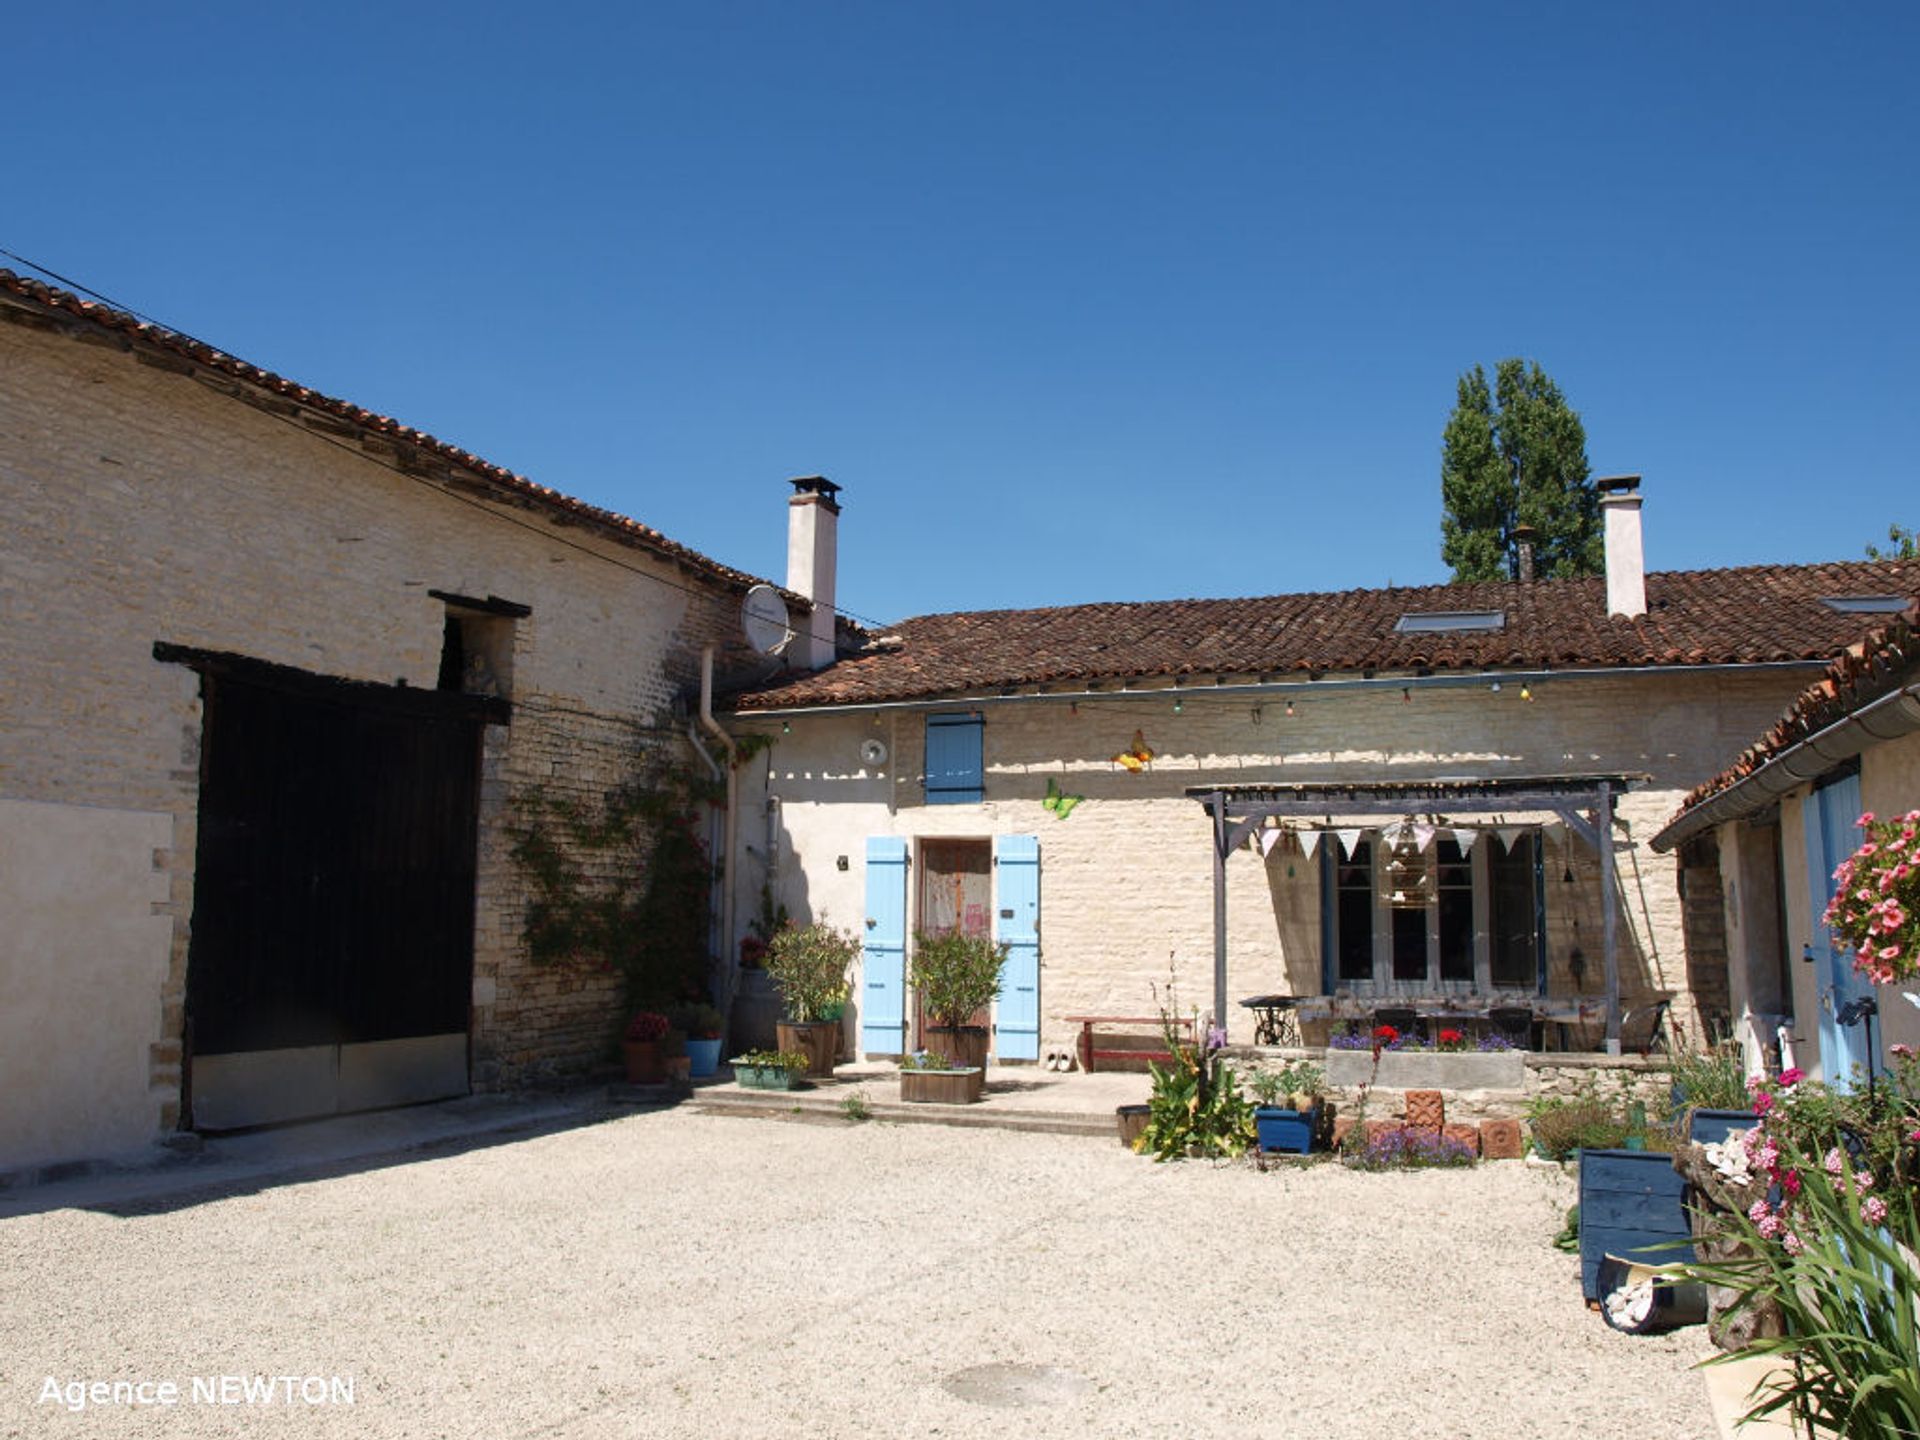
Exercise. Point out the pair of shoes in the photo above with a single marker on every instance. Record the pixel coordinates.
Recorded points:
(1061, 1060)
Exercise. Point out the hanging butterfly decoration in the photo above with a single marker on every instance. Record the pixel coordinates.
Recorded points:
(1058, 801)
(1138, 758)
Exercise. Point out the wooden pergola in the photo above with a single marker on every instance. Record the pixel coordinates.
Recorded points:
(1583, 803)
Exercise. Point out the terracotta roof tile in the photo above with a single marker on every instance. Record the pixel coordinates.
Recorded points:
(1694, 617)
(56, 304)
(1880, 664)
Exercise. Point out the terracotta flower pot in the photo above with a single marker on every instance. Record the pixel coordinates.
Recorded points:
(645, 1066)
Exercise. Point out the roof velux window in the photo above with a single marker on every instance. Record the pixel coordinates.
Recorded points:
(1439, 621)
(1866, 604)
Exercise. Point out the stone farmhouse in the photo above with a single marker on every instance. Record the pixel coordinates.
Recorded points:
(276, 671)
(280, 673)
(1368, 798)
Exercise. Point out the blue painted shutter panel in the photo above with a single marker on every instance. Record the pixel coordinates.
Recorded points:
(955, 767)
(1017, 925)
(1827, 820)
(883, 953)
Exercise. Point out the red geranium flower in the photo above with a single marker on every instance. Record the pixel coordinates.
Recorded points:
(1452, 1037)
(1385, 1034)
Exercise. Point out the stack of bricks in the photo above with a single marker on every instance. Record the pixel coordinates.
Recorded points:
(1427, 1110)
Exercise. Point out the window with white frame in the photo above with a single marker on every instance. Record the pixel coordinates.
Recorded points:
(1449, 917)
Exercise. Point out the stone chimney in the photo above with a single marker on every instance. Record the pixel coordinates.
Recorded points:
(1626, 561)
(813, 523)
(1523, 538)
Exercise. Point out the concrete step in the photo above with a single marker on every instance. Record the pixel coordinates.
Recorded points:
(800, 1104)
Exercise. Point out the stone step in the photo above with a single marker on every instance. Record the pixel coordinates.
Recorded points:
(798, 1104)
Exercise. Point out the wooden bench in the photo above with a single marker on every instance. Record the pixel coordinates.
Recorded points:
(1089, 1052)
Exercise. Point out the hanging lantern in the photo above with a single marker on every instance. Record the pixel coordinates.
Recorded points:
(1406, 877)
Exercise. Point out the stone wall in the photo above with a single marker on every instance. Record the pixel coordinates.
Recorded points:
(1542, 1075)
(144, 504)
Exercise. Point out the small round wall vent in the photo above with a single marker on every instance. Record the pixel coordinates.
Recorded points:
(872, 752)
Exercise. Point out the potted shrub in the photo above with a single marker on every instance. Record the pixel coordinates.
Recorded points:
(809, 964)
(1287, 1108)
(957, 977)
(928, 1077)
(644, 1048)
(770, 1069)
(702, 1026)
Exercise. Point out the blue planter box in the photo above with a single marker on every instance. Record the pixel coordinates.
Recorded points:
(1630, 1203)
(1710, 1127)
(1288, 1130)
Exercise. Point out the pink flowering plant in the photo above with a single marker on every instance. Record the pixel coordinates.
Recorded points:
(1828, 1183)
(1875, 911)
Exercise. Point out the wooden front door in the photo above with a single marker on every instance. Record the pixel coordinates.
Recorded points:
(956, 894)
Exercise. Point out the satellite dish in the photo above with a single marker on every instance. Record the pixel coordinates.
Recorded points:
(764, 621)
(872, 752)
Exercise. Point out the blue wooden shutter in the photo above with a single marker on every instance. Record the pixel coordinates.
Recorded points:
(883, 956)
(1329, 880)
(1016, 861)
(1827, 820)
(955, 768)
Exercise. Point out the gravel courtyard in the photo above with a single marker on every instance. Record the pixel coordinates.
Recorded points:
(673, 1274)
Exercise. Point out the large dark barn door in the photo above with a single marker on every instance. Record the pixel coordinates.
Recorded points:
(332, 954)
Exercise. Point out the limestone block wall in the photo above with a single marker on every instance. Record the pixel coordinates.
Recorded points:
(1126, 879)
(143, 505)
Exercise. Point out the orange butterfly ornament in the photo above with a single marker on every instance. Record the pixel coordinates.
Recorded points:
(1136, 759)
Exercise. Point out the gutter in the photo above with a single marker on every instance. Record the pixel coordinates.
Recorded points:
(1481, 679)
(729, 948)
(1889, 718)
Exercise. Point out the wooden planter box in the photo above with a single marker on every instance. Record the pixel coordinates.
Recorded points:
(1132, 1120)
(1630, 1202)
(763, 1077)
(818, 1040)
(942, 1087)
(965, 1046)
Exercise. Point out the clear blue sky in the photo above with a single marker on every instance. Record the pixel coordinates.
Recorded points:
(1078, 301)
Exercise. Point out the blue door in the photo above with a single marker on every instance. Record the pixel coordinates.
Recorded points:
(1828, 818)
(1016, 860)
(883, 952)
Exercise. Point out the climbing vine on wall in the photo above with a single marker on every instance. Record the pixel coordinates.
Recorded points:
(621, 884)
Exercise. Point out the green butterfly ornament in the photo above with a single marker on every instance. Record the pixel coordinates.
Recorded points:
(1058, 801)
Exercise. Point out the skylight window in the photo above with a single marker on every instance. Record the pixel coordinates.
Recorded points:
(1424, 622)
(1866, 604)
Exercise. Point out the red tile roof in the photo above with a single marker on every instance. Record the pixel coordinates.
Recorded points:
(58, 309)
(1883, 662)
(1694, 617)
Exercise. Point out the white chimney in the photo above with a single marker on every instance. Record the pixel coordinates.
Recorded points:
(1626, 560)
(813, 522)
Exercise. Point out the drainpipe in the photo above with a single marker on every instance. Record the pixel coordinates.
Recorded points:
(729, 945)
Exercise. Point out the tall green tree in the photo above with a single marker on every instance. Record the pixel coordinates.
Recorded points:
(1906, 544)
(1514, 454)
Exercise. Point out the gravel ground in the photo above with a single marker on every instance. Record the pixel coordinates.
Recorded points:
(671, 1274)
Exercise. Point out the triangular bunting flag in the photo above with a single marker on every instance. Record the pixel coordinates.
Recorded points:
(1309, 842)
(1269, 839)
(1466, 839)
(1510, 836)
(1423, 835)
(1348, 839)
